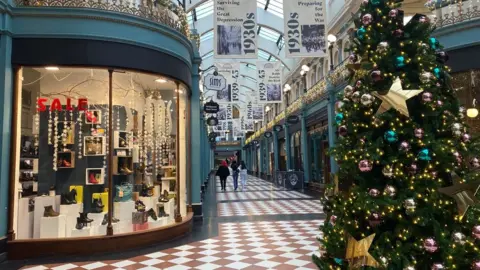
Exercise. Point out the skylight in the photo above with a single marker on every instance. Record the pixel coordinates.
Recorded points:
(273, 6)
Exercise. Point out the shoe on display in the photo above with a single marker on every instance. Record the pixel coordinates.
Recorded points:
(151, 213)
(115, 220)
(84, 218)
(49, 212)
(80, 224)
(97, 206)
(125, 170)
(105, 219)
(140, 206)
(31, 205)
(92, 179)
(161, 212)
(66, 163)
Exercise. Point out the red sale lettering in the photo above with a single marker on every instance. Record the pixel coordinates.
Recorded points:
(82, 104)
(41, 104)
(69, 105)
(56, 105)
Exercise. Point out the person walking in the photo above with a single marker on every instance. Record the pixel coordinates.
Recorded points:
(235, 174)
(223, 172)
(243, 174)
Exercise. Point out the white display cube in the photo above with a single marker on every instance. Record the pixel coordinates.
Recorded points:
(102, 229)
(71, 212)
(150, 202)
(25, 220)
(124, 210)
(97, 218)
(124, 226)
(160, 222)
(156, 191)
(86, 231)
(40, 203)
(52, 227)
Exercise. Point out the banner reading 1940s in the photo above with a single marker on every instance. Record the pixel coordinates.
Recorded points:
(235, 24)
(304, 28)
(269, 82)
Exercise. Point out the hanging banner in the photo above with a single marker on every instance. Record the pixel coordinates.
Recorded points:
(224, 86)
(225, 112)
(226, 125)
(237, 129)
(269, 82)
(304, 30)
(257, 112)
(246, 124)
(235, 29)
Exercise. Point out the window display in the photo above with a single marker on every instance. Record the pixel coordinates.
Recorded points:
(67, 154)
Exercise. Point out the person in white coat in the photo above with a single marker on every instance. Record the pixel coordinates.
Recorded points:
(243, 174)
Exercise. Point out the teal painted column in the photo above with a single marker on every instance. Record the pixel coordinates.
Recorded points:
(276, 151)
(195, 129)
(305, 148)
(6, 96)
(287, 146)
(267, 156)
(315, 159)
(331, 123)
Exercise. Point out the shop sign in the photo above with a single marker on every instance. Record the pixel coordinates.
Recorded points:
(216, 83)
(268, 134)
(211, 107)
(212, 121)
(293, 119)
(278, 128)
(56, 105)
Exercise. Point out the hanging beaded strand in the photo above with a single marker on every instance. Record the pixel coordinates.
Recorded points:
(50, 127)
(55, 142)
(37, 126)
(107, 150)
(80, 139)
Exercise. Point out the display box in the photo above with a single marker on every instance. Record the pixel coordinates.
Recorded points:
(139, 217)
(40, 203)
(140, 227)
(95, 176)
(122, 139)
(94, 146)
(122, 165)
(66, 160)
(79, 196)
(52, 227)
(93, 117)
(123, 210)
(85, 232)
(104, 197)
(71, 213)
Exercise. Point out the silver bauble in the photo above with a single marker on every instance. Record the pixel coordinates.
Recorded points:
(390, 191)
(356, 97)
(459, 238)
(367, 99)
(426, 77)
(388, 171)
(348, 91)
(382, 47)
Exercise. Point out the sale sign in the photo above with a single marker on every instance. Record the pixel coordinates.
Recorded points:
(56, 105)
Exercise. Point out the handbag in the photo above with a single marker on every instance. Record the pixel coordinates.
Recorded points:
(123, 192)
(139, 217)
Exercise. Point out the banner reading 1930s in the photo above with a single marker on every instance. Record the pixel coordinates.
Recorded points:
(269, 82)
(235, 24)
(304, 28)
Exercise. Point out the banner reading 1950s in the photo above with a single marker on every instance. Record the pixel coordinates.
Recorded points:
(304, 28)
(269, 82)
(235, 24)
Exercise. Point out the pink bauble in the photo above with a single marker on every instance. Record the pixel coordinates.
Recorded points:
(434, 174)
(333, 219)
(430, 245)
(353, 58)
(476, 232)
(475, 162)
(476, 265)
(439, 103)
(412, 169)
(423, 19)
(367, 19)
(438, 266)
(376, 75)
(374, 192)
(419, 133)
(458, 157)
(404, 146)
(393, 13)
(398, 33)
(364, 2)
(427, 97)
(365, 165)
(466, 137)
(342, 131)
(358, 84)
(374, 219)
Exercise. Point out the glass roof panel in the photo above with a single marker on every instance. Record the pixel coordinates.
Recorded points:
(274, 6)
(269, 34)
(206, 36)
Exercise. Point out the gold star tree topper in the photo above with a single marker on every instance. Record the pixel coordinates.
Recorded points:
(357, 252)
(396, 98)
(463, 193)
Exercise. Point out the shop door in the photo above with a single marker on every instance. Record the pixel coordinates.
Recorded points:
(326, 162)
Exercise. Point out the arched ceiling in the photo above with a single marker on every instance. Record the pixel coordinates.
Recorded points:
(269, 30)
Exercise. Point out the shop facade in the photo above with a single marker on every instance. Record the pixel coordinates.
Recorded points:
(98, 131)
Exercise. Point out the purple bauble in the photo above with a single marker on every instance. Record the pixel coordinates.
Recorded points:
(423, 19)
(427, 97)
(398, 33)
(434, 174)
(439, 103)
(430, 245)
(393, 13)
(374, 192)
(476, 265)
(476, 232)
(367, 19)
(342, 131)
(404, 146)
(458, 156)
(475, 162)
(376, 75)
(412, 169)
(419, 133)
(374, 219)
(358, 84)
(365, 165)
(466, 137)
(364, 3)
(438, 266)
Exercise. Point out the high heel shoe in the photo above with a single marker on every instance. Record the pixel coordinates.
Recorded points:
(151, 213)
(140, 206)
(66, 164)
(92, 179)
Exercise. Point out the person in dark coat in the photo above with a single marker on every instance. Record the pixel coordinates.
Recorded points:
(223, 172)
(235, 174)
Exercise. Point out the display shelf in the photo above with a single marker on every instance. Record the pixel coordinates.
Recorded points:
(119, 163)
(122, 139)
(93, 117)
(169, 178)
(169, 167)
(70, 140)
(94, 146)
(95, 176)
(67, 156)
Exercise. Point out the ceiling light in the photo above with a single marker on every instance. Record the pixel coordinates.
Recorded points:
(267, 109)
(171, 110)
(302, 72)
(178, 91)
(305, 68)
(472, 112)
(331, 38)
(161, 80)
(287, 86)
(52, 68)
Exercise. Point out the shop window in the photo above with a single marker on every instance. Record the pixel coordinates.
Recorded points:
(467, 85)
(66, 154)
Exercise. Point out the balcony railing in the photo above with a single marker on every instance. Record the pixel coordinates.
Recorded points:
(175, 18)
(450, 14)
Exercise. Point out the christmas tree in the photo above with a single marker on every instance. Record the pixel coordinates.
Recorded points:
(405, 157)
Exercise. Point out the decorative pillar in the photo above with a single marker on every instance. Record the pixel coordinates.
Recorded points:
(276, 151)
(340, 51)
(288, 148)
(260, 169)
(315, 158)
(331, 124)
(306, 156)
(196, 123)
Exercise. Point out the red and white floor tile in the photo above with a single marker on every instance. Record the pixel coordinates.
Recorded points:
(278, 207)
(281, 245)
(260, 195)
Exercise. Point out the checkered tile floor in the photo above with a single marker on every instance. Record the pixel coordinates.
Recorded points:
(281, 245)
(255, 208)
(253, 184)
(260, 195)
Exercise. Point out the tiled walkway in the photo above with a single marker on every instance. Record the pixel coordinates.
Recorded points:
(264, 227)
